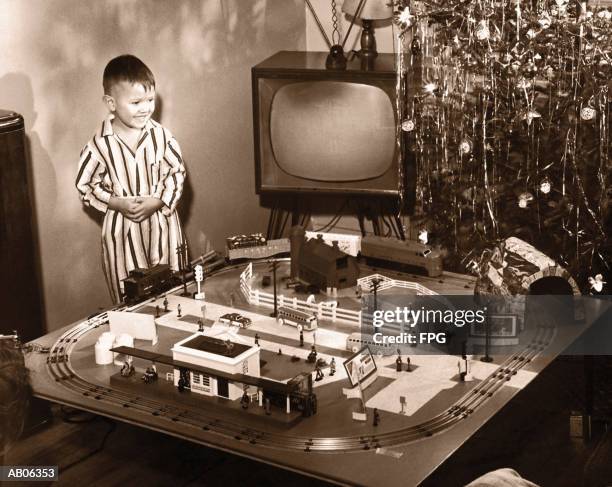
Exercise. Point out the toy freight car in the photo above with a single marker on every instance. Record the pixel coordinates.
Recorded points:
(242, 241)
(391, 252)
(142, 283)
(255, 247)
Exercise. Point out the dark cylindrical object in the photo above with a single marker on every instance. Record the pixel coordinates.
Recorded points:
(20, 297)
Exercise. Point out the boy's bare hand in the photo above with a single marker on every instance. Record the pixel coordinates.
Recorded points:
(145, 207)
(125, 206)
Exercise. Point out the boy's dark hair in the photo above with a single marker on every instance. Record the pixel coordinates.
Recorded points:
(127, 68)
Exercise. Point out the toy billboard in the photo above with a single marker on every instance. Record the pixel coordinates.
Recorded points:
(360, 366)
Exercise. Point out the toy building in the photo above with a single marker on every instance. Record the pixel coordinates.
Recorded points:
(325, 266)
(215, 365)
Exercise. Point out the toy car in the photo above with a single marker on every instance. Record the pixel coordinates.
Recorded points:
(236, 319)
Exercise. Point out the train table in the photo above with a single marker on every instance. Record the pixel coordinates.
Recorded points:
(414, 419)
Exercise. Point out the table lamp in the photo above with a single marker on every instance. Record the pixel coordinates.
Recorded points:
(370, 11)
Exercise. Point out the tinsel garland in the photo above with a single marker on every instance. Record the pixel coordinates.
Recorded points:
(505, 106)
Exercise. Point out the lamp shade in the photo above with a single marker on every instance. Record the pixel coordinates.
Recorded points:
(371, 10)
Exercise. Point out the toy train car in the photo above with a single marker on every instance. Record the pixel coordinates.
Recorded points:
(388, 252)
(142, 283)
(260, 250)
(242, 241)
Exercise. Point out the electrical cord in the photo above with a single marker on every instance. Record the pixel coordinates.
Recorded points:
(335, 219)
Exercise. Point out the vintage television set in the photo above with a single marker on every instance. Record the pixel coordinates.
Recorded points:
(322, 130)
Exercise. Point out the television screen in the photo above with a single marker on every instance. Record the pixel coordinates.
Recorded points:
(322, 130)
(317, 131)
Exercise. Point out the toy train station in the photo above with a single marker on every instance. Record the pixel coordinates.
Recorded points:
(228, 368)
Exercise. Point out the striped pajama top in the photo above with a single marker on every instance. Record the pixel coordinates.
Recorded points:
(108, 167)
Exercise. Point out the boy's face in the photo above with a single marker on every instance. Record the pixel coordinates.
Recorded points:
(131, 103)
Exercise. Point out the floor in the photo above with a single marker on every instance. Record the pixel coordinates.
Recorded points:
(94, 451)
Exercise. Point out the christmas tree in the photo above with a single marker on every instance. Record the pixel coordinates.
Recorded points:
(504, 106)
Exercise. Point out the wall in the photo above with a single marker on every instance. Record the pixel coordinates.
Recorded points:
(316, 42)
(201, 51)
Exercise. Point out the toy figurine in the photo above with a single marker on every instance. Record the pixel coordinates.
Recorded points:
(376, 419)
(267, 406)
(244, 401)
(319, 374)
(257, 340)
(312, 356)
(301, 338)
(398, 363)
(200, 326)
(461, 372)
(332, 366)
(358, 291)
(165, 303)
(150, 374)
(280, 352)
(178, 311)
(157, 310)
(127, 369)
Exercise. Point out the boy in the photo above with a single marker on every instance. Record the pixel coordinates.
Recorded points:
(132, 171)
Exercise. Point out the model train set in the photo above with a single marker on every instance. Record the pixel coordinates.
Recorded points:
(63, 370)
(224, 372)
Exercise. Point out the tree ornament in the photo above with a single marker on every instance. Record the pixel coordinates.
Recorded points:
(604, 14)
(531, 69)
(465, 146)
(530, 115)
(408, 125)
(544, 20)
(545, 186)
(524, 199)
(482, 31)
(430, 88)
(597, 283)
(523, 84)
(423, 236)
(404, 18)
(587, 113)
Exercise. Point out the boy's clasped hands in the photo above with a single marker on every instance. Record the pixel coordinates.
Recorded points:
(137, 208)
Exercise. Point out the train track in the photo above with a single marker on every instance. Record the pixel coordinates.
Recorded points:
(60, 369)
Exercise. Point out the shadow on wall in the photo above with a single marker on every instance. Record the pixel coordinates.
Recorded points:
(184, 206)
(22, 101)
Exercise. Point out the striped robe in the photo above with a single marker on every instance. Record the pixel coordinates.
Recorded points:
(108, 167)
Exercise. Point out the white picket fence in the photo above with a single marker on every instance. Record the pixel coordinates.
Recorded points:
(384, 282)
(324, 309)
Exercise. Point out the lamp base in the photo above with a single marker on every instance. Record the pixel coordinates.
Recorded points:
(368, 41)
